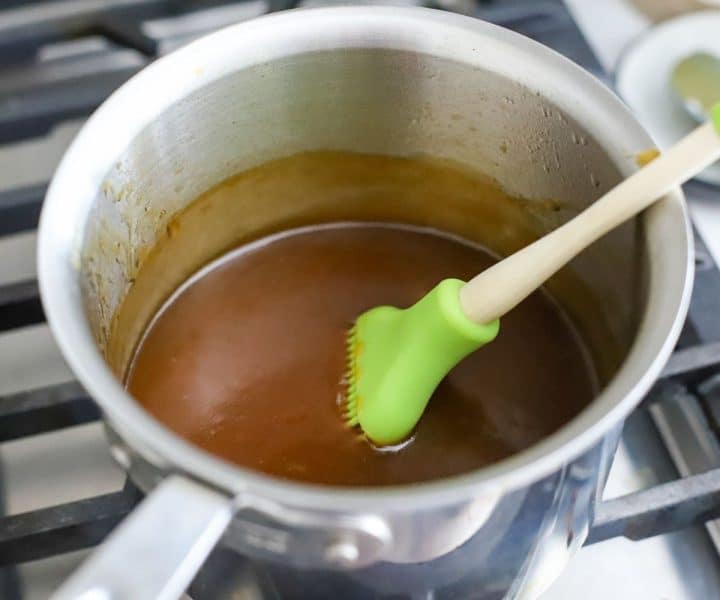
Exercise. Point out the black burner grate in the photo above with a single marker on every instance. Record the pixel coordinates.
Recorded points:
(695, 363)
(60, 59)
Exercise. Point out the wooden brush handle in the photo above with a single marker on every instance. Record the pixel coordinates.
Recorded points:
(500, 288)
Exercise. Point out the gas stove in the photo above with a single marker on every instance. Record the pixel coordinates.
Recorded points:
(60, 491)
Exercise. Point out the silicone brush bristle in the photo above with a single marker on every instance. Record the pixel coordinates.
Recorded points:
(350, 408)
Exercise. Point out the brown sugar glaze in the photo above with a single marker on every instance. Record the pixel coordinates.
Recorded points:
(246, 360)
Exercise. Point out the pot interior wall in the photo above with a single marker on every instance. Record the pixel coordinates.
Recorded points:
(370, 101)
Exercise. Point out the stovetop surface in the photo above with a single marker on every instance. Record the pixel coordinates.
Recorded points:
(58, 60)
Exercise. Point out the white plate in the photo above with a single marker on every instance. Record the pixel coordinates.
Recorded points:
(643, 76)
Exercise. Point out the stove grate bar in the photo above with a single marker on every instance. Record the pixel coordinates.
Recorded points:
(20, 305)
(661, 509)
(64, 528)
(20, 208)
(689, 361)
(25, 30)
(45, 409)
(36, 110)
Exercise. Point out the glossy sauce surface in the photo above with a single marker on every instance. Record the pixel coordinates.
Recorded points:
(246, 360)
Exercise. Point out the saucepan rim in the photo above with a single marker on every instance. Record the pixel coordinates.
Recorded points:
(113, 126)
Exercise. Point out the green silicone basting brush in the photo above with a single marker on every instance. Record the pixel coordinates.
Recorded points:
(397, 357)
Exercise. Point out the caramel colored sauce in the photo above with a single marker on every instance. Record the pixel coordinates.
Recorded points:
(246, 359)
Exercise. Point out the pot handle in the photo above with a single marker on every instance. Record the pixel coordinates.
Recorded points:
(157, 550)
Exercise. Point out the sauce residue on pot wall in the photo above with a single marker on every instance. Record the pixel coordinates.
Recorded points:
(321, 187)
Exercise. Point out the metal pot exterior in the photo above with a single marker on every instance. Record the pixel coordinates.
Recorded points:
(519, 545)
(389, 81)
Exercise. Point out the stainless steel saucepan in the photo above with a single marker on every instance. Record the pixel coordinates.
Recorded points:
(380, 80)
